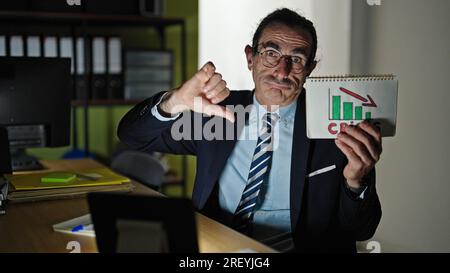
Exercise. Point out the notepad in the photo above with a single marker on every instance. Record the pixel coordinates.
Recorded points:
(84, 178)
(338, 101)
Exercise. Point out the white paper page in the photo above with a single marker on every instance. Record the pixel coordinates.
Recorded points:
(67, 226)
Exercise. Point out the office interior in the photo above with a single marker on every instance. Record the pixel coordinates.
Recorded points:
(407, 38)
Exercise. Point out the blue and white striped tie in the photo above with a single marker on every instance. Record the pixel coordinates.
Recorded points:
(259, 172)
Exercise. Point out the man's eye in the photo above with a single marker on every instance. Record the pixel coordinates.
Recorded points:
(296, 60)
(271, 53)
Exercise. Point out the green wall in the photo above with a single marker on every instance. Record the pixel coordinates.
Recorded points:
(103, 120)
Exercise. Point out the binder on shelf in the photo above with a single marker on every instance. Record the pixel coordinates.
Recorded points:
(115, 86)
(115, 75)
(33, 46)
(80, 55)
(16, 46)
(50, 47)
(137, 91)
(115, 55)
(98, 87)
(66, 50)
(147, 73)
(2, 46)
(81, 91)
(148, 58)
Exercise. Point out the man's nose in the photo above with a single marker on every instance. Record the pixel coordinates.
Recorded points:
(283, 69)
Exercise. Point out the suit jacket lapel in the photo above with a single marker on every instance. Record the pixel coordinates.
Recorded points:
(299, 161)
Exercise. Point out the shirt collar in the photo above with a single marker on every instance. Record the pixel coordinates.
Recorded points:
(286, 113)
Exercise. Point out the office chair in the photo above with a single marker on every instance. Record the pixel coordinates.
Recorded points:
(139, 166)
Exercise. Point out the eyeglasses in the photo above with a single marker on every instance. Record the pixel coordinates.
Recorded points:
(272, 58)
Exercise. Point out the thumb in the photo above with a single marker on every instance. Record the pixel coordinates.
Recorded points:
(218, 110)
(206, 71)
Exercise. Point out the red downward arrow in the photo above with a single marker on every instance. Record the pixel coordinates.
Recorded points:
(359, 97)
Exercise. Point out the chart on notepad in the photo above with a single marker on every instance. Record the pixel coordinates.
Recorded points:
(349, 105)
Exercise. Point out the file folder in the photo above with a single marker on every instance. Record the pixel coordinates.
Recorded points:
(66, 50)
(16, 46)
(50, 47)
(104, 177)
(33, 46)
(99, 68)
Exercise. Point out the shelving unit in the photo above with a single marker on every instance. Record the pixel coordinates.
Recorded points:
(105, 102)
(77, 25)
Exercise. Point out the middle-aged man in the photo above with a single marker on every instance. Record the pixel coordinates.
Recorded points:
(279, 187)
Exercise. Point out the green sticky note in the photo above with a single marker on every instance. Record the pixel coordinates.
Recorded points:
(58, 177)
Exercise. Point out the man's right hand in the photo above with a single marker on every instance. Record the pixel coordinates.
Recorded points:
(206, 85)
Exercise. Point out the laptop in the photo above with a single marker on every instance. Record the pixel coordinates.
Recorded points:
(127, 223)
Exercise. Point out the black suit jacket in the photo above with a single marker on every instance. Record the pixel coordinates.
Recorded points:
(325, 214)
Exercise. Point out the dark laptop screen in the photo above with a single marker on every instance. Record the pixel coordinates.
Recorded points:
(138, 223)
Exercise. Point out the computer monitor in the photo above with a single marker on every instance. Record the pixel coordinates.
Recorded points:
(5, 159)
(35, 96)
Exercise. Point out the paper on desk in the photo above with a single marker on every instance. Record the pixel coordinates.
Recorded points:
(98, 177)
(67, 226)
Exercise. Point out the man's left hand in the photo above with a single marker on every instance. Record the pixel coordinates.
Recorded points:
(361, 145)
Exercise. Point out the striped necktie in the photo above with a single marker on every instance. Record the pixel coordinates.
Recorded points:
(259, 172)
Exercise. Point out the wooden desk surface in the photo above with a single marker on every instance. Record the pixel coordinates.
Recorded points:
(27, 227)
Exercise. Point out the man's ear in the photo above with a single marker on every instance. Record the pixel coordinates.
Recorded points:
(311, 68)
(249, 55)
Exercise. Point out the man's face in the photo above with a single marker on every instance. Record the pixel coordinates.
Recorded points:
(280, 84)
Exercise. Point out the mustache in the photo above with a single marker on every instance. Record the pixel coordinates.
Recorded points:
(286, 82)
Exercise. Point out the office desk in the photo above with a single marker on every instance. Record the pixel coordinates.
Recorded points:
(27, 227)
